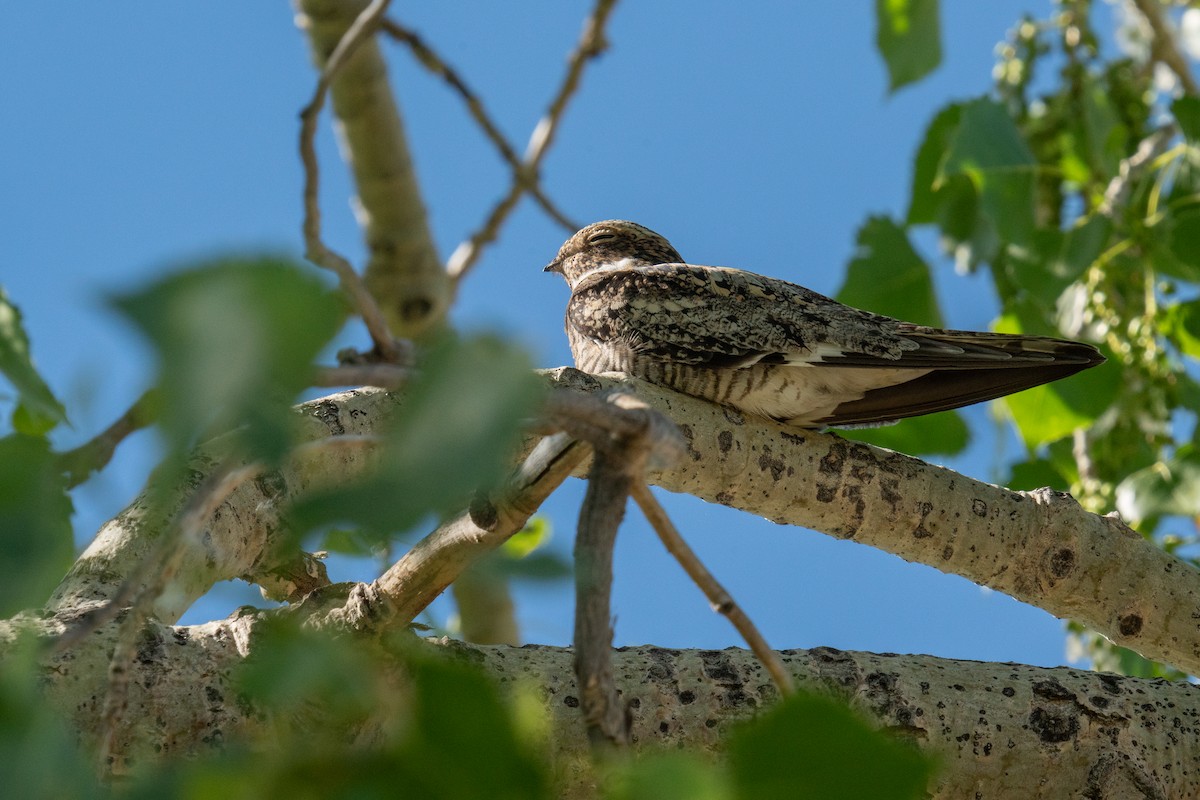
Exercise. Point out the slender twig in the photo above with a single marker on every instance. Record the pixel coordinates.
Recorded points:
(591, 44)
(81, 462)
(1130, 168)
(1163, 47)
(718, 597)
(386, 376)
(315, 249)
(429, 59)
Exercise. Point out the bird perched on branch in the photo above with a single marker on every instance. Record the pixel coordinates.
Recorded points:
(773, 348)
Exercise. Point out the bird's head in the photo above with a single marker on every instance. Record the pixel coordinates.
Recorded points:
(614, 242)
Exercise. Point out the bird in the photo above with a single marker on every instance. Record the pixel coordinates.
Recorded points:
(775, 349)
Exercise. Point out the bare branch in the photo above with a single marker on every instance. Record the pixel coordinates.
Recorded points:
(591, 45)
(1163, 47)
(82, 462)
(315, 249)
(429, 59)
(1130, 168)
(722, 602)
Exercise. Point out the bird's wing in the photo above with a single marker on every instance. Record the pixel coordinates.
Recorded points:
(726, 318)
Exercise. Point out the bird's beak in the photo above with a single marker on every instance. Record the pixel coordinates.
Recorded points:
(553, 266)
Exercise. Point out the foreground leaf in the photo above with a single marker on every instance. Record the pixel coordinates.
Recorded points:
(908, 36)
(235, 342)
(40, 407)
(810, 746)
(36, 543)
(454, 433)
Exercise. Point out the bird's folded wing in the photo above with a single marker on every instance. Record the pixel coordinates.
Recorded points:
(725, 318)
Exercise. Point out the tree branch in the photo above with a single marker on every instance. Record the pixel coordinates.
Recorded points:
(1039, 547)
(1163, 48)
(403, 272)
(720, 599)
(1078, 733)
(591, 45)
(429, 59)
(81, 462)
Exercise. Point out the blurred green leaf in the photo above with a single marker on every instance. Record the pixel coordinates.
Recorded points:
(39, 754)
(236, 341)
(988, 148)
(887, 276)
(1183, 246)
(1034, 474)
(534, 535)
(943, 434)
(350, 542)
(38, 406)
(908, 36)
(927, 195)
(459, 711)
(1180, 323)
(1049, 412)
(667, 776)
(1186, 111)
(1170, 487)
(810, 746)
(36, 544)
(454, 433)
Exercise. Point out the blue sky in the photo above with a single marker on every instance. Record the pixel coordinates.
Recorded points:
(142, 136)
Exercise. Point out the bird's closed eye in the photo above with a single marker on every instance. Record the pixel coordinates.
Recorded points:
(600, 236)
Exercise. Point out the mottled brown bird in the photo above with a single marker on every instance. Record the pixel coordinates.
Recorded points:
(776, 349)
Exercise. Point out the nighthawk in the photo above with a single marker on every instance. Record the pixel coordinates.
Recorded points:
(773, 348)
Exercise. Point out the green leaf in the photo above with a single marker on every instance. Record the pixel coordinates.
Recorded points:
(235, 341)
(40, 754)
(1180, 323)
(1170, 487)
(810, 746)
(908, 37)
(36, 543)
(1186, 111)
(458, 710)
(456, 429)
(887, 276)
(988, 148)
(943, 434)
(927, 195)
(1183, 246)
(667, 776)
(536, 534)
(1034, 474)
(1049, 412)
(40, 406)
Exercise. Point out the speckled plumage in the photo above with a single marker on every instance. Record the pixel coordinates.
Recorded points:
(776, 349)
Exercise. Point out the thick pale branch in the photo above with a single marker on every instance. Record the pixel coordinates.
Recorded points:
(1003, 730)
(1039, 547)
